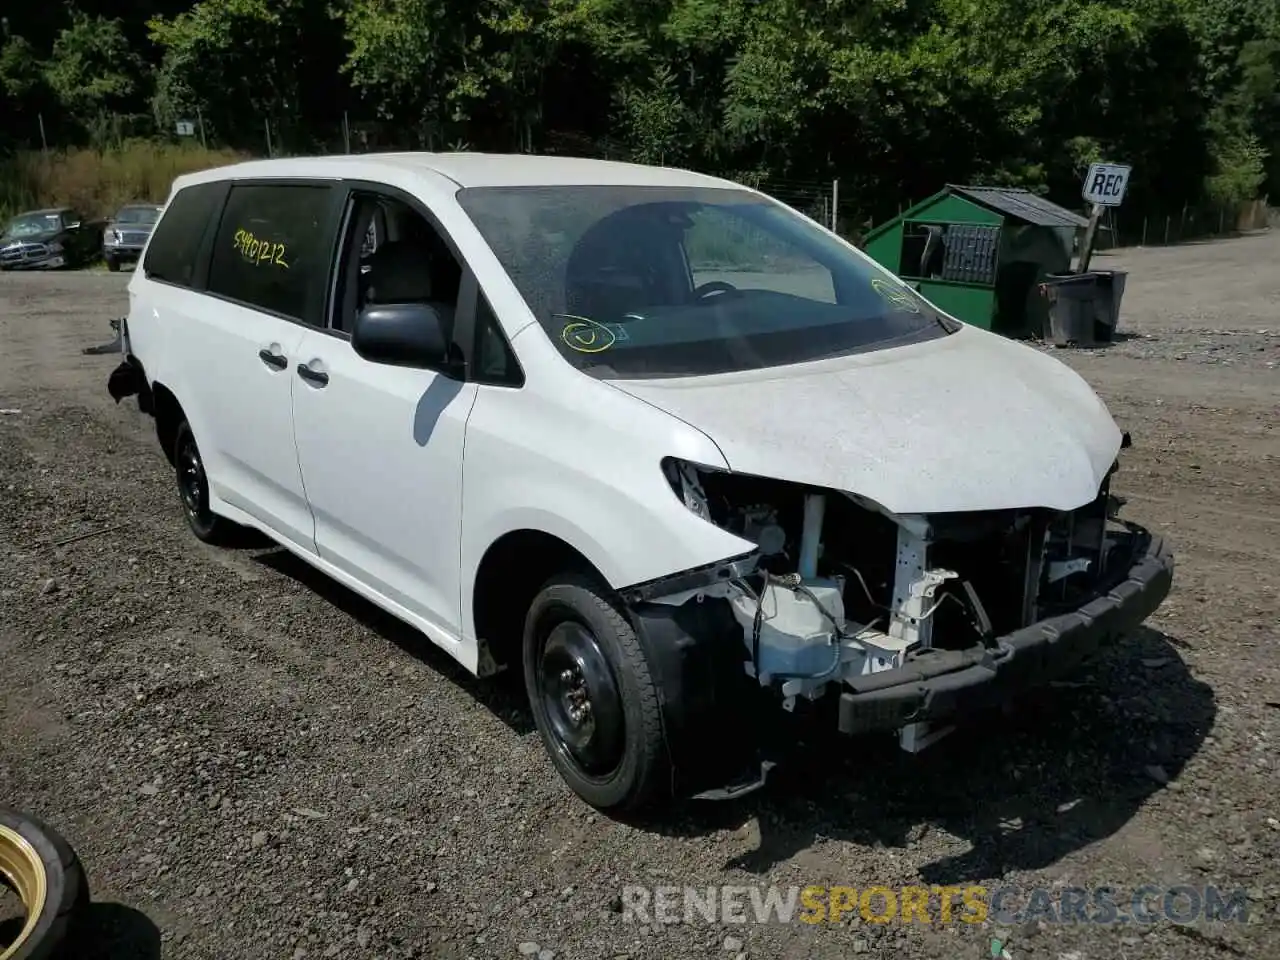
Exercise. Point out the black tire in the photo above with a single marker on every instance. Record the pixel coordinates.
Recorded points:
(621, 764)
(29, 848)
(193, 489)
(113, 264)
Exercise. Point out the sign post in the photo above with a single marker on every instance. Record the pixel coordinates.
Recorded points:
(185, 128)
(1104, 186)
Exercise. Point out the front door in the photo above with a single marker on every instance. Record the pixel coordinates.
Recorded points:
(381, 446)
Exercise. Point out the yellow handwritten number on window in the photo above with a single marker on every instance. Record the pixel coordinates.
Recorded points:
(257, 251)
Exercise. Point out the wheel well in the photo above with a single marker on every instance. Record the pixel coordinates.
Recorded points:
(514, 568)
(168, 414)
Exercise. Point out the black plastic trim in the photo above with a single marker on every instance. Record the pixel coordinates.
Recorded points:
(125, 380)
(713, 713)
(704, 576)
(130, 379)
(711, 708)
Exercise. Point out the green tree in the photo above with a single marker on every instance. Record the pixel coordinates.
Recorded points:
(894, 97)
(246, 63)
(1239, 48)
(92, 67)
(94, 73)
(21, 70)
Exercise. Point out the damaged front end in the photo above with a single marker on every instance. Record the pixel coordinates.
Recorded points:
(901, 622)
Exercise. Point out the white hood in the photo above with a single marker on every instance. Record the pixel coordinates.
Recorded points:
(972, 421)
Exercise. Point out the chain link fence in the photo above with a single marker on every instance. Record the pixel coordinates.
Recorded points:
(116, 135)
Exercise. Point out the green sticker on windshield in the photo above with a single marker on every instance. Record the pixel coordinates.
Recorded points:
(585, 335)
(897, 297)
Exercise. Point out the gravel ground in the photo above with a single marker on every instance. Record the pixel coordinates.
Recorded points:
(254, 763)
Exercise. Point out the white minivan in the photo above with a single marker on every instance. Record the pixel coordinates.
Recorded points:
(674, 451)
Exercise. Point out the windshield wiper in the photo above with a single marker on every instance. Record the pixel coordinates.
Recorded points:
(947, 324)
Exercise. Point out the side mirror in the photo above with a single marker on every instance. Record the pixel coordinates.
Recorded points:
(400, 334)
(74, 225)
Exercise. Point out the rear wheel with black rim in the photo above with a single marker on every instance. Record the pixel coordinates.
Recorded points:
(193, 489)
(113, 264)
(45, 873)
(593, 697)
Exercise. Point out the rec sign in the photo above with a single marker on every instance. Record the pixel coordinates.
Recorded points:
(1105, 183)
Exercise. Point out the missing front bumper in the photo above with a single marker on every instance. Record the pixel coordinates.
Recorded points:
(939, 685)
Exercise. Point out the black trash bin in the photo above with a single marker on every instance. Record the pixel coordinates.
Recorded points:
(1073, 307)
(1084, 308)
(1111, 292)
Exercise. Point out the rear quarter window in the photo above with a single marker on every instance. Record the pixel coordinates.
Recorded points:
(273, 247)
(175, 243)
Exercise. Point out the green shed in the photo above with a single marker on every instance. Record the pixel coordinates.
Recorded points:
(980, 253)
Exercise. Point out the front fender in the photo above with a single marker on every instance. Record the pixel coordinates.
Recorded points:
(628, 542)
(573, 457)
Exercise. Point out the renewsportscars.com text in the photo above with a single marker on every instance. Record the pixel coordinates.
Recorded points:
(936, 904)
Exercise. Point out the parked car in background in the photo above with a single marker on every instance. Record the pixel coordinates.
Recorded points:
(46, 239)
(126, 233)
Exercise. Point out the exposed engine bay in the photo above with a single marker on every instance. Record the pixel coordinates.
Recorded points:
(841, 590)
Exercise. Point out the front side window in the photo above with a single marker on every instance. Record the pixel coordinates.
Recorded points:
(649, 281)
(272, 247)
(393, 254)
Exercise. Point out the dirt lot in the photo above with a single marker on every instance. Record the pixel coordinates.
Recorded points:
(253, 763)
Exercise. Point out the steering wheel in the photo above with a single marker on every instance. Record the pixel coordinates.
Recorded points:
(702, 291)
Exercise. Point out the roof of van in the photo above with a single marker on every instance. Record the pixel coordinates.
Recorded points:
(467, 170)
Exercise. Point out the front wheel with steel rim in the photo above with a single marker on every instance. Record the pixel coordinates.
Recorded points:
(592, 696)
(193, 488)
(45, 873)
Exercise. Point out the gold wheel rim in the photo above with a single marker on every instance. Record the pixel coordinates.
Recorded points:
(20, 866)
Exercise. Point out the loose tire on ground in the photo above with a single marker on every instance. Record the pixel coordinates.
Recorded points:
(40, 866)
(573, 627)
(193, 489)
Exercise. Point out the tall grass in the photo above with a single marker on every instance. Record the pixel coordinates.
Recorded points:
(97, 182)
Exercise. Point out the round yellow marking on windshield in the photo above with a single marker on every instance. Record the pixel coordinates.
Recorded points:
(586, 336)
(896, 296)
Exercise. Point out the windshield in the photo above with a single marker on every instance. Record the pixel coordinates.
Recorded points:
(145, 216)
(33, 224)
(651, 281)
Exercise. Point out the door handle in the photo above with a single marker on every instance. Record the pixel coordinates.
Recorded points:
(275, 360)
(313, 376)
